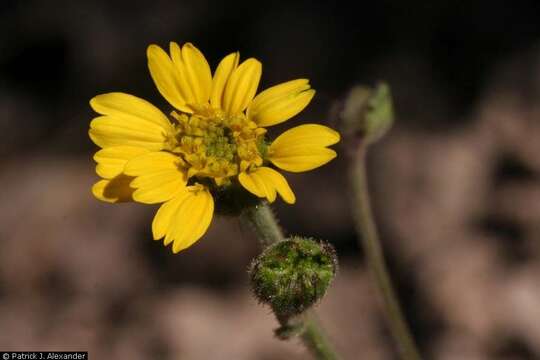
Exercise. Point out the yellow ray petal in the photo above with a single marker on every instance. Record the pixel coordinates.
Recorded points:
(274, 179)
(303, 148)
(128, 121)
(221, 76)
(280, 103)
(164, 216)
(197, 72)
(304, 159)
(265, 182)
(182, 79)
(166, 77)
(111, 160)
(306, 135)
(158, 177)
(153, 162)
(279, 90)
(127, 106)
(108, 131)
(242, 86)
(114, 190)
(186, 219)
(253, 183)
(283, 109)
(158, 187)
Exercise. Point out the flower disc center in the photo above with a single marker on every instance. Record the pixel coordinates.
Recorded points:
(217, 146)
(220, 143)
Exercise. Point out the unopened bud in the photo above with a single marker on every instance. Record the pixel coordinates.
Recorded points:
(368, 112)
(293, 274)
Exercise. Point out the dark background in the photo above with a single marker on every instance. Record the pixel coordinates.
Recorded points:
(455, 182)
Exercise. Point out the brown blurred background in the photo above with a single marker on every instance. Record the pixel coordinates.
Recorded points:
(455, 183)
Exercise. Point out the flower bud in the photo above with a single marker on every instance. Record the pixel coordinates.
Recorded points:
(368, 112)
(293, 274)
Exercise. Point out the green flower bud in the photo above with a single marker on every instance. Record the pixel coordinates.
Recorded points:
(293, 274)
(368, 112)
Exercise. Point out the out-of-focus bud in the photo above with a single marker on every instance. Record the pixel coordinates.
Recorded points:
(368, 112)
(293, 274)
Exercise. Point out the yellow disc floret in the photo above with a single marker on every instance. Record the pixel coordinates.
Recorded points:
(217, 146)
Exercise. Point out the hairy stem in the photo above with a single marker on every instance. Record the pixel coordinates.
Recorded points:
(265, 225)
(315, 339)
(366, 227)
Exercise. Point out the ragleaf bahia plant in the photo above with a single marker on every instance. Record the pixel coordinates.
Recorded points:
(213, 141)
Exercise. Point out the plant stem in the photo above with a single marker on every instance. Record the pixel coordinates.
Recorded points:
(365, 225)
(315, 339)
(265, 225)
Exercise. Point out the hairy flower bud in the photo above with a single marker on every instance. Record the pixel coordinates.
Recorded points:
(368, 112)
(293, 274)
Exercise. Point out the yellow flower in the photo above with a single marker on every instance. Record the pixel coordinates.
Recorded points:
(213, 141)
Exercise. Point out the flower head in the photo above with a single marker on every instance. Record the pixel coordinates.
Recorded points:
(214, 140)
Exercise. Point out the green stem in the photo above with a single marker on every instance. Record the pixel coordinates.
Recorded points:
(315, 339)
(265, 225)
(365, 225)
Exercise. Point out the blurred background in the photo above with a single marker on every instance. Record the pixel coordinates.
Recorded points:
(455, 182)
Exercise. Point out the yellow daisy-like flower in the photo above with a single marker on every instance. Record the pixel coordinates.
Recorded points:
(214, 140)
